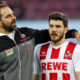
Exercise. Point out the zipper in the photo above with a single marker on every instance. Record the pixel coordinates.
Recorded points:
(19, 60)
(24, 40)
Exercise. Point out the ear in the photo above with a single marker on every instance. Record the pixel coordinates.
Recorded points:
(66, 30)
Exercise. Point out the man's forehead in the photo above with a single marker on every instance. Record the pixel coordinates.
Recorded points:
(56, 21)
(5, 11)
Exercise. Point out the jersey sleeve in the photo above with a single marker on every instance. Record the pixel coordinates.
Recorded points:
(76, 58)
(36, 61)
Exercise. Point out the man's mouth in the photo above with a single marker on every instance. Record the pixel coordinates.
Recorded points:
(53, 34)
(13, 23)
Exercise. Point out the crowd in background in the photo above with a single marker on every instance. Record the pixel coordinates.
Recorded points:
(40, 9)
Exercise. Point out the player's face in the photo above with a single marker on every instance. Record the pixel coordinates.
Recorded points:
(57, 30)
(8, 20)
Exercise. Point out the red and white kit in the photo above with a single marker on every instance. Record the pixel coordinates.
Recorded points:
(57, 63)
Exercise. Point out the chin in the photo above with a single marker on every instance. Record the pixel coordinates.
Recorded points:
(54, 39)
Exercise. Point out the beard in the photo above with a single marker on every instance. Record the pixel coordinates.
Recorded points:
(9, 28)
(59, 39)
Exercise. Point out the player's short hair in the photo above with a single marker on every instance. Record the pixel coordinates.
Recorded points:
(59, 16)
(2, 4)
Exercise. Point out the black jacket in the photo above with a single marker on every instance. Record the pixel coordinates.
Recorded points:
(16, 57)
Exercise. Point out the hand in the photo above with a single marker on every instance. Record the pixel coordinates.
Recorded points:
(77, 35)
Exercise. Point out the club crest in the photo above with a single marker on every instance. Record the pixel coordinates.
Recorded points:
(68, 54)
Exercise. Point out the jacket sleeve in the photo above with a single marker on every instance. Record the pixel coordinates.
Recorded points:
(70, 33)
(42, 36)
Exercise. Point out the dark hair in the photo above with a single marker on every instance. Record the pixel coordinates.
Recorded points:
(59, 16)
(2, 4)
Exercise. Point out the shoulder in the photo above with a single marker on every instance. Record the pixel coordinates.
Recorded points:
(76, 47)
(43, 45)
(25, 29)
(71, 45)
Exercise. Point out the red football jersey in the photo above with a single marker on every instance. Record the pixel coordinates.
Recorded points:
(57, 63)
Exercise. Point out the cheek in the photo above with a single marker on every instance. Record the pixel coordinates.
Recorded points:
(61, 30)
(8, 22)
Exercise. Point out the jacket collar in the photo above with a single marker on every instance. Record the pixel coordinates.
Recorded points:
(11, 35)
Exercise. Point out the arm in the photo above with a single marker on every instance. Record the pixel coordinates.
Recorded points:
(77, 35)
(37, 64)
(77, 75)
(76, 62)
(40, 36)
(43, 35)
(36, 77)
(71, 33)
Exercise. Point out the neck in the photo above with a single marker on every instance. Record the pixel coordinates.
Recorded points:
(58, 43)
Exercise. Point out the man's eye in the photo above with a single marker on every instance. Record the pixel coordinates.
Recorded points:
(8, 16)
(58, 26)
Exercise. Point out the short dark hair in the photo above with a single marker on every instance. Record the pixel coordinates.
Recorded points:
(2, 4)
(59, 16)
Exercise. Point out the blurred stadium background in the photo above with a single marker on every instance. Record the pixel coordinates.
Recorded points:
(40, 9)
(34, 13)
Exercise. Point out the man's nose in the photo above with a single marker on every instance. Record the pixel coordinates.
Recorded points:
(13, 17)
(54, 29)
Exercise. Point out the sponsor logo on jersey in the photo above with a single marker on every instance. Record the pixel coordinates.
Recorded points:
(9, 52)
(55, 66)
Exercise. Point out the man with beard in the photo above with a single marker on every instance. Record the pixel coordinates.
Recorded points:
(58, 59)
